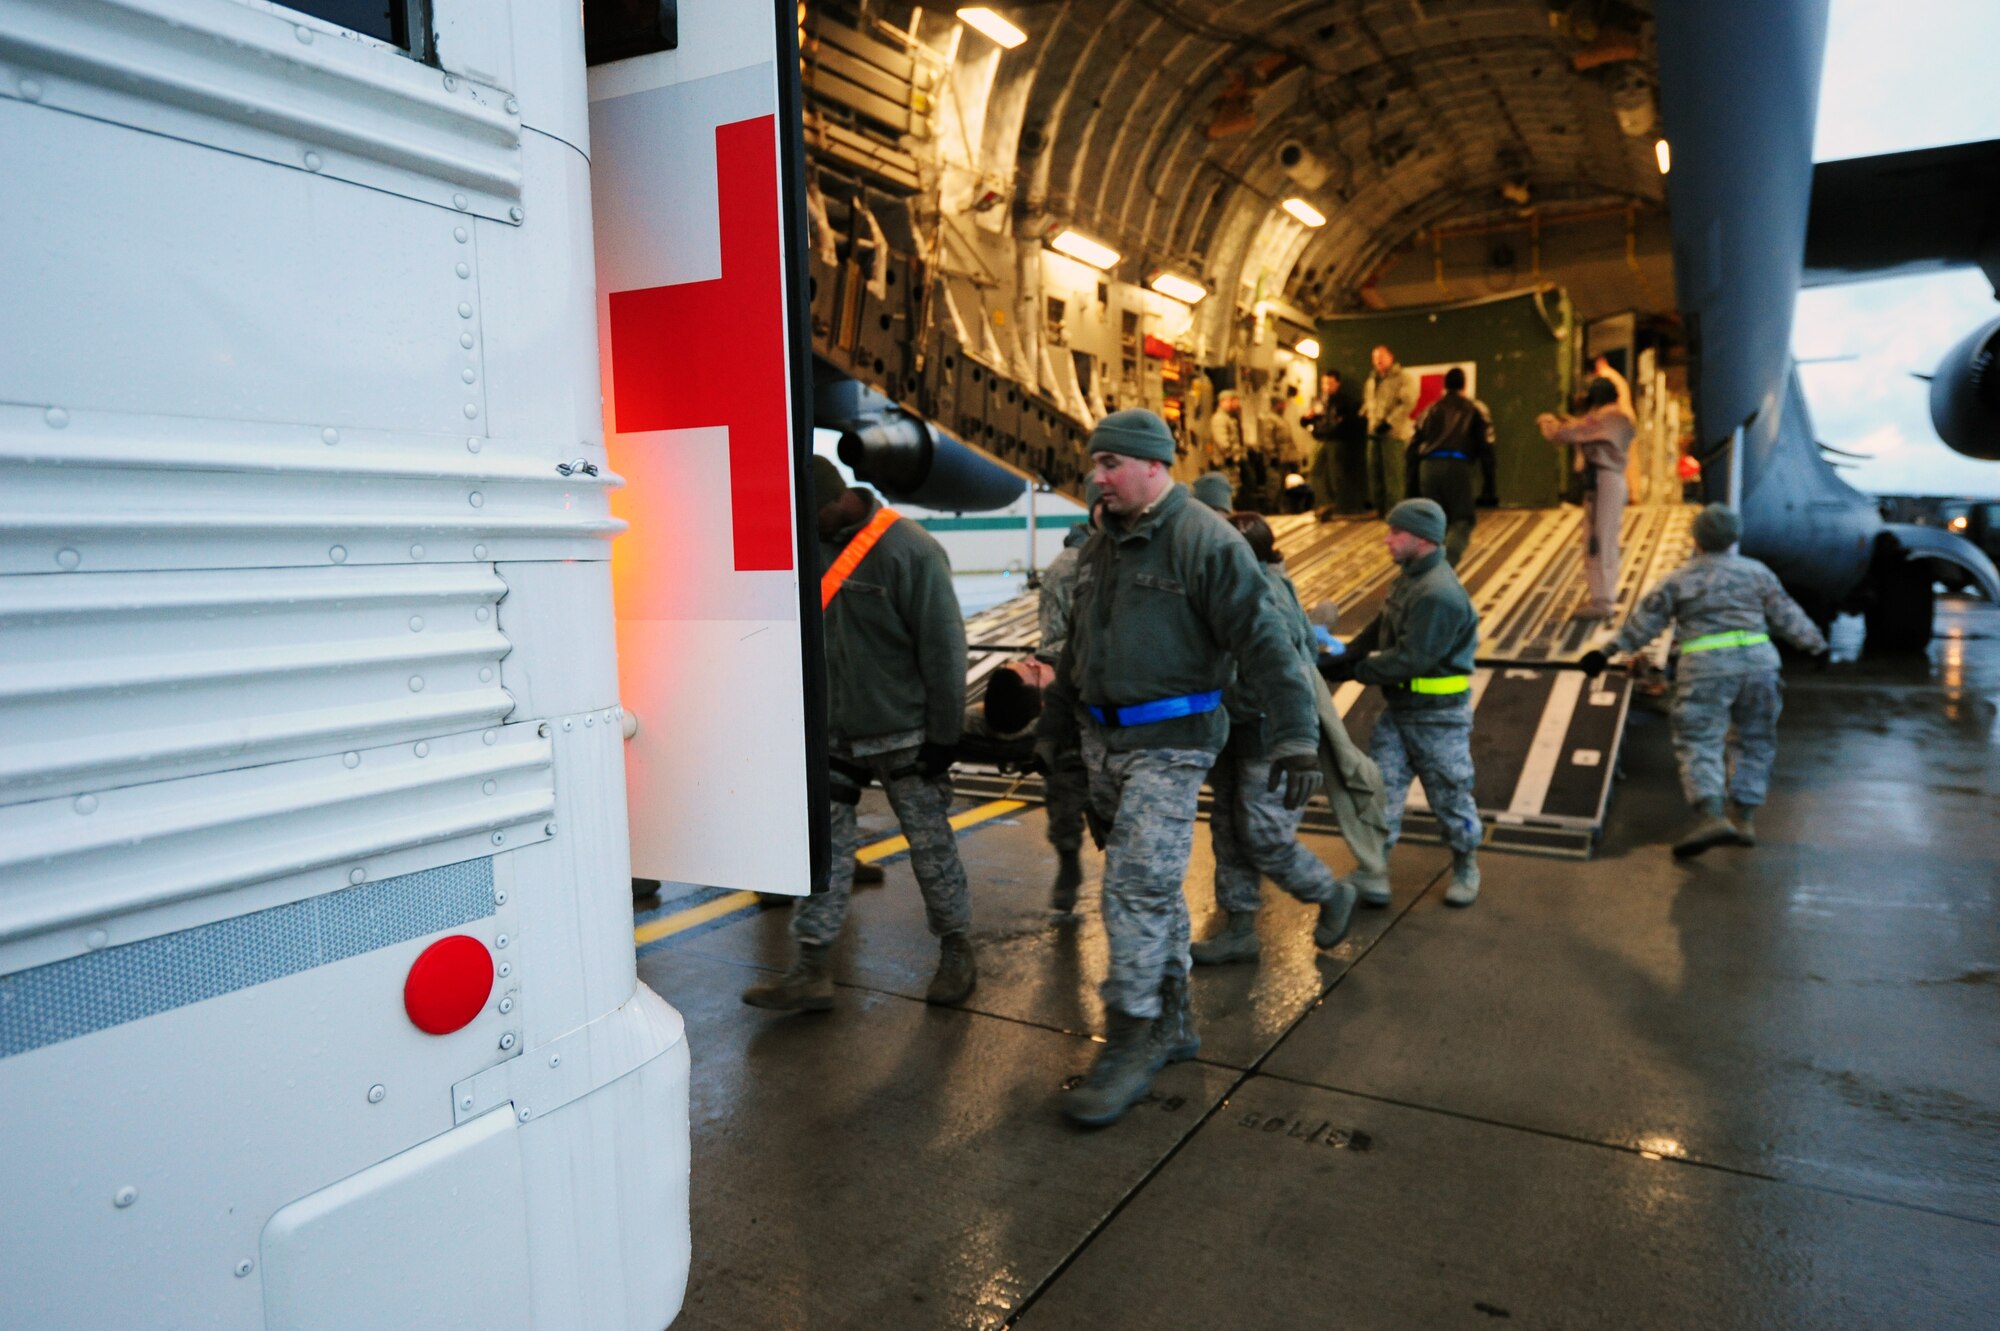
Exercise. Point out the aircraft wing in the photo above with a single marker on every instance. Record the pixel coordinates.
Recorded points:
(1905, 213)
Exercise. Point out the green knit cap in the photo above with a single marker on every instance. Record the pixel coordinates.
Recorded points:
(827, 483)
(1419, 517)
(1717, 527)
(1134, 433)
(1214, 489)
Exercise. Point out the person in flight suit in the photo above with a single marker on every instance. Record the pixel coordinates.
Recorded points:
(1390, 397)
(1603, 438)
(1424, 642)
(1252, 832)
(895, 665)
(1168, 596)
(1725, 609)
(1453, 437)
(1064, 779)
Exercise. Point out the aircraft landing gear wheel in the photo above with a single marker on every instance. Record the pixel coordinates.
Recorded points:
(1899, 623)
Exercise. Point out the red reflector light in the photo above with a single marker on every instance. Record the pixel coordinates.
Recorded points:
(448, 984)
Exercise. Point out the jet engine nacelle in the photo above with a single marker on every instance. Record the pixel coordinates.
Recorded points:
(1965, 395)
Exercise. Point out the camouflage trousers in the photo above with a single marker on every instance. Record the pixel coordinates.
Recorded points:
(1253, 834)
(1149, 799)
(1433, 745)
(1732, 720)
(923, 807)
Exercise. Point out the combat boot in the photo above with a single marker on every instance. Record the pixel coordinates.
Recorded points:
(1336, 913)
(1069, 878)
(1464, 889)
(1711, 829)
(1374, 892)
(955, 973)
(1175, 1039)
(806, 987)
(1746, 824)
(1235, 941)
(868, 875)
(1122, 1073)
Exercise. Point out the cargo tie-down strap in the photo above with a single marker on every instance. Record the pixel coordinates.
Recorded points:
(1160, 709)
(1709, 642)
(857, 550)
(1440, 684)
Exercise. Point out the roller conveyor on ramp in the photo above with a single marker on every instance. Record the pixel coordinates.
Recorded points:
(1545, 739)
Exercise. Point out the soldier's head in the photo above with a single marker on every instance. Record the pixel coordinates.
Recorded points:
(1717, 527)
(1382, 358)
(1416, 527)
(1601, 393)
(1329, 383)
(1231, 403)
(1014, 695)
(1454, 380)
(1255, 530)
(1130, 453)
(1213, 488)
(839, 504)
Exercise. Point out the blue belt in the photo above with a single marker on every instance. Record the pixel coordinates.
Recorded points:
(1160, 709)
(1442, 457)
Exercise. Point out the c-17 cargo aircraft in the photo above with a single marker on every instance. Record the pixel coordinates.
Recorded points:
(1025, 215)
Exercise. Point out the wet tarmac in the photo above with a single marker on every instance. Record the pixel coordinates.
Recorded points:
(1760, 1089)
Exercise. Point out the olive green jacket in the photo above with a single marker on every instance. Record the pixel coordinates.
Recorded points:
(1248, 735)
(1427, 628)
(895, 643)
(1165, 602)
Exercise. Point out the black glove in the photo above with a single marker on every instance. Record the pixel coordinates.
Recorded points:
(935, 759)
(1300, 776)
(1337, 669)
(1594, 663)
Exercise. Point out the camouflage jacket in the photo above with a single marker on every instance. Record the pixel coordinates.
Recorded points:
(1427, 629)
(1247, 731)
(1721, 593)
(895, 644)
(1058, 595)
(1166, 603)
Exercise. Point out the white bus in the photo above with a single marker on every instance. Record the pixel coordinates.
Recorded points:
(317, 998)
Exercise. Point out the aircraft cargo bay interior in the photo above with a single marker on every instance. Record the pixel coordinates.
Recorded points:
(1253, 663)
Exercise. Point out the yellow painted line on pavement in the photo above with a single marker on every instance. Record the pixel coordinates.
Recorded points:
(896, 845)
(681, 921)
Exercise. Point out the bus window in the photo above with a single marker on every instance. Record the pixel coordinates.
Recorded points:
(400, 23)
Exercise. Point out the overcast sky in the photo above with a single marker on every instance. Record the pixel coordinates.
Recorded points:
(1912, 74)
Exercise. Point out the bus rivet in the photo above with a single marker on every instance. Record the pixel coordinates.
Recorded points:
(513, 107)
(376, 1093)
(516, 213)
(244, 1268)
(125, 1196)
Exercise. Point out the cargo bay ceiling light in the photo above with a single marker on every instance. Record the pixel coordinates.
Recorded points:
(1304, 212)
(981, 19)
(1180, 288)
(1664, 156)
(1308, 347)
(1079, 246)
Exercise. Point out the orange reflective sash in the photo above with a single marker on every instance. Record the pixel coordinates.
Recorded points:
(856, 551)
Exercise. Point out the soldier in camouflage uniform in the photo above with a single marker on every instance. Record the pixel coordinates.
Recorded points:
(895, 654)
(1425, 639)
(1167, 594)
(1252, 832)
(1725, 609)
(1066, 783)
